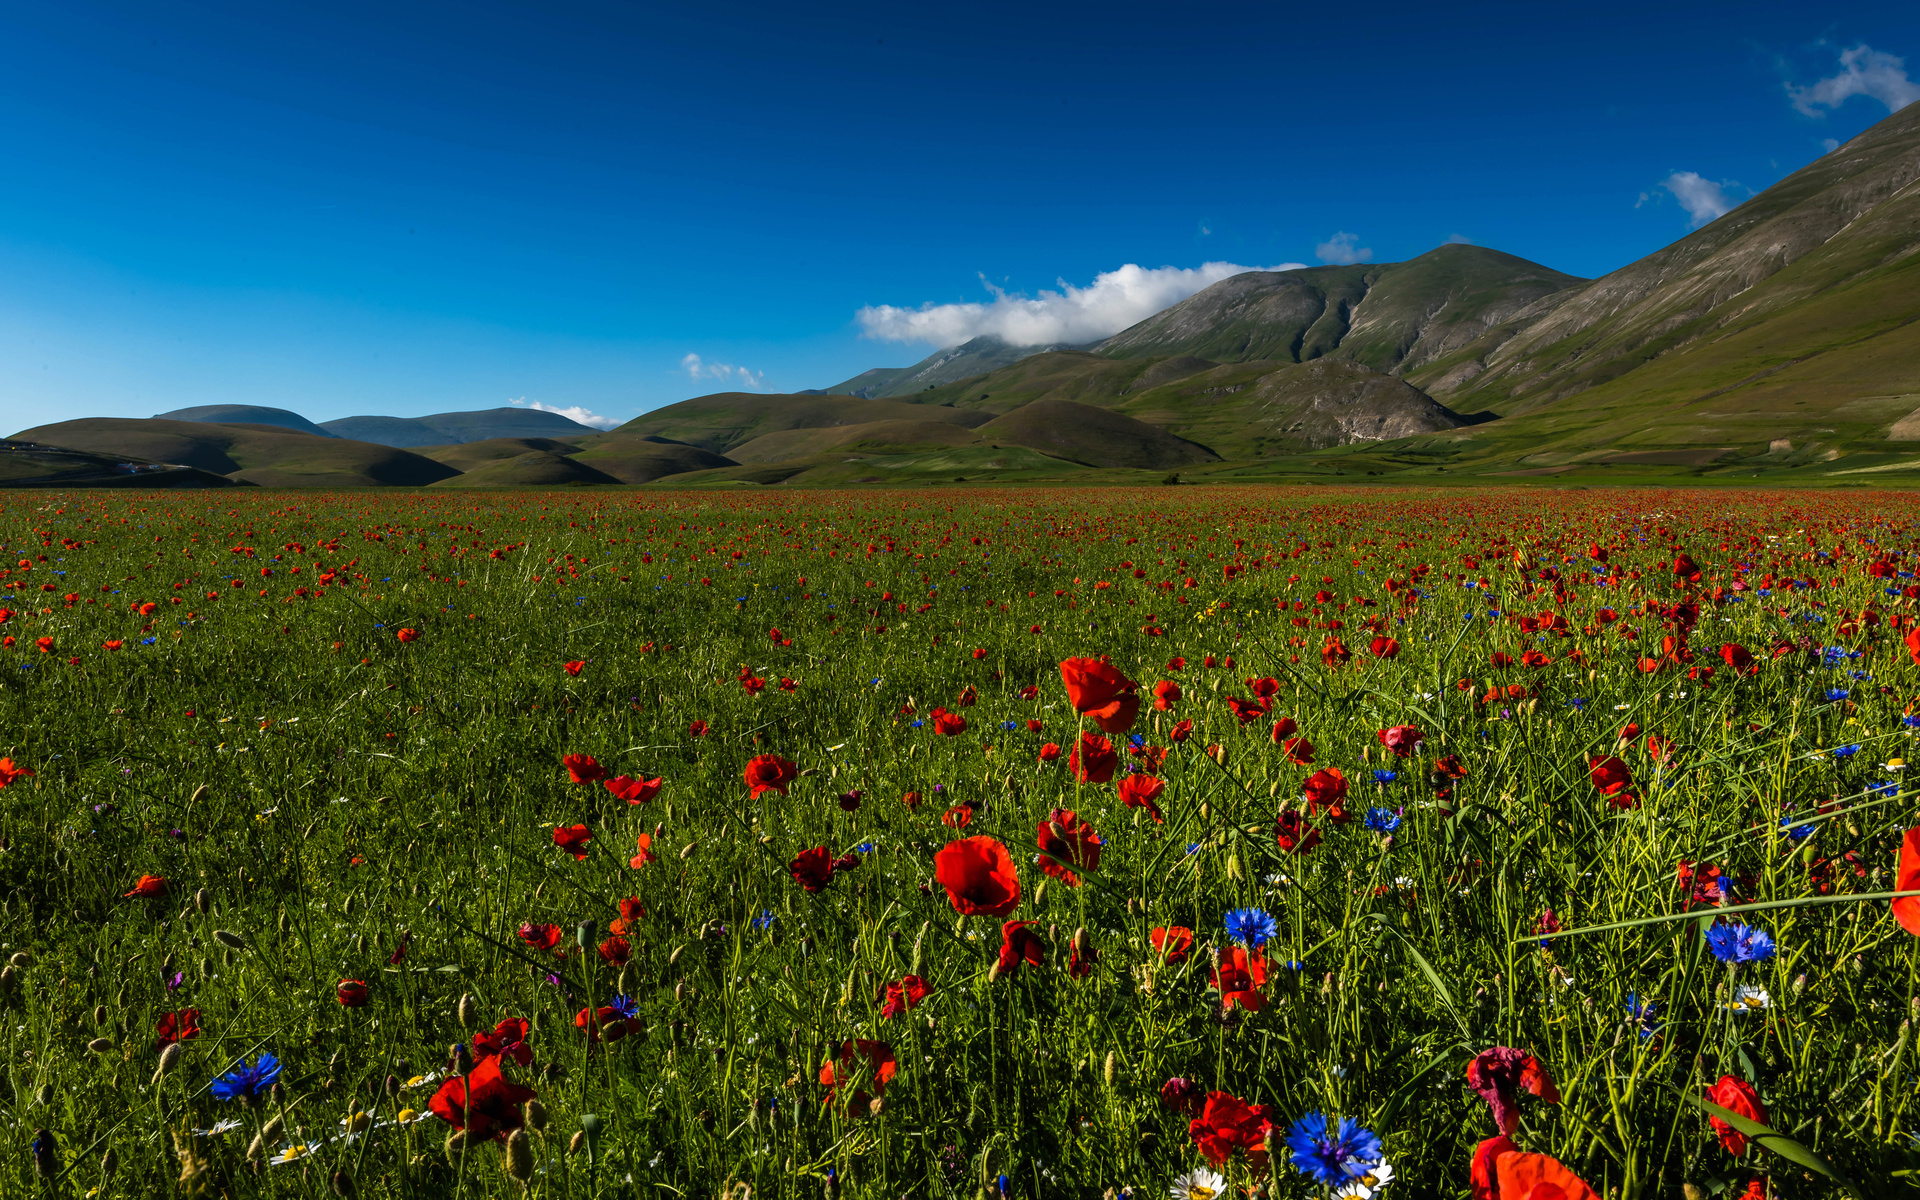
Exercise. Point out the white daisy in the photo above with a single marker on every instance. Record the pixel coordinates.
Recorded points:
(1748, 998)
(294, 1153)
(1198, 1184)
(1368, 1185)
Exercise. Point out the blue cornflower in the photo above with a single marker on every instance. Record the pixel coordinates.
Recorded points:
(1837, 694)
(1382, 820)
(1193, 848)
(1738, 944)
(1642, 1013)
(765, 920)
(624, 1006)
(1911, 722)
(247, 1080)
(1577, 702)
(1251, 927)
(1332, 1153)
(865, 847)
(1136, 741)
(1383, 777)
(1797, 831)
(1886, 787)
(1009, 725)
(1845, 751)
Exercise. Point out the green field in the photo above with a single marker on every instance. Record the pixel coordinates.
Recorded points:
(333, 727)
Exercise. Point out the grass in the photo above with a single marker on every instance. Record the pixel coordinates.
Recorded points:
(319, 794)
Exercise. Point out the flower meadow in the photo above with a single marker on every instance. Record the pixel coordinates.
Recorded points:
(1175, 842)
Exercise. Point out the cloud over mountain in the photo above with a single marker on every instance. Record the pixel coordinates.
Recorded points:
(1864, 71)
(1112, 302)
(572, 413)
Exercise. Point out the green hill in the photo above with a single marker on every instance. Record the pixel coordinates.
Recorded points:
(724, 420)
(450, 428)
(244, 414)
(266, 455)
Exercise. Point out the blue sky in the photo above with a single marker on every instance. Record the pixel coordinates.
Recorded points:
(412, 208)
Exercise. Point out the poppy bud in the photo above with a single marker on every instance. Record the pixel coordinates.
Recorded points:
(391, 1085)
(536, 1116)
(686, 851)
(20, 959)
(1691, 1191)
(574, 1143)
(583, 934)
(99, 1014)
(518, 1161)
(100, 1045)
(1040, 894)
(1800, 985)
(344, 1186)
(202, 901)
(229, 938)
(108, 1162)
(200, 793)
(467, 1011)
(456, 1143)
(170, 1058)
(914, 968)
(46, 1159)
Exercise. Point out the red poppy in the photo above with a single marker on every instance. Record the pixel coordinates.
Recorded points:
(581, 768)
(1740, 660)
(9, 772)
(1906, 878)
(149, 887)
(174, 1027)
(1403, 740)
(1335, 653)
(1536, 659)
(509, 1038)
(1238, 975)
(901, 995)
(1326, 789)
(1049, 753)
(634, 791)
(575, 667)
(1019, 944)
(352, 993)
(1180, 732)
(848, 1063)
(1183, 1095)
(957, 817)
(1737, 1096)
(1283, 729)
(979, 877)
(1496, 1074)
(483, 1103)
(616, 950)
(1067, 845)
(1383, 647)
(1448, 766)
(1092, 759)
(45, 644)
(1659, 748)
(1293, 835)
(812, 869)
(1614, 779)
(1166, 694)
(1228, 1123)
(1519, 1176)
(948, 724)
(1098, 690)
(1081, 954)
(646, 854)
(1299, 751)
(967, 698)
(1481, 1175)
(1246, 711)
(541, 937)
(698, 729)
(1140, 790)
(605, 1021)
(1172, 944)
(573, 839)
(632, 912)
(769, 772)
(407, 635)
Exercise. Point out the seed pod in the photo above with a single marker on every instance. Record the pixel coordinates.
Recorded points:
(536, 1116)
(100, 1045)
(99, 1014)
(229, 938)
(467, 1012)
(202, 901)
(518, 1160)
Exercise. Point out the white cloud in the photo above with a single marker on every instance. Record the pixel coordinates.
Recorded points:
(1864, 71)
(1703, 199)
(696, 369)
(573, 413)
(1340, 251)
(1112, 302)
(1830, 144)
(1459, 239)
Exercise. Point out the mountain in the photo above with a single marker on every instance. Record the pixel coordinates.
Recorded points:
(446, 429)
(1392, 317)
(975, 357)
(266, 455)
(31, 465)
(727, 419)
(244, 414)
